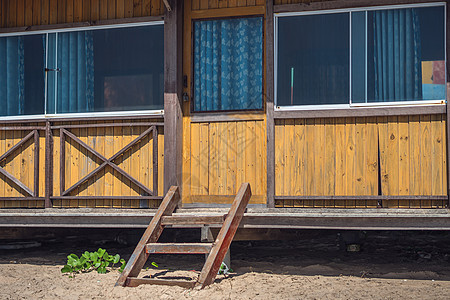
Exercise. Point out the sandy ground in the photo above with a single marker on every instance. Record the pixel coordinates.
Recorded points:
(399, 265)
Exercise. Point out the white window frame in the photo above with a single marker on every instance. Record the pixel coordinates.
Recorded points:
(153, 112)
(350, 104)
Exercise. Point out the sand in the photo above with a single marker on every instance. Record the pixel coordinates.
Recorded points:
(389, 266)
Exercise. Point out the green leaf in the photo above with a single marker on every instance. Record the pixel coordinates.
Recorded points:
(155, 264)
(122, 267)
(122, 261)
(108, 257)
(73, 256)
(86, 254)
(116, 258)
(101, 252)
(94, 257)
(66, 269)
(97, 264)
(72, 262)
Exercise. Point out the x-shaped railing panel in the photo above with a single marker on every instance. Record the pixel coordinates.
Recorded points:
(108, 161)
(27, 190)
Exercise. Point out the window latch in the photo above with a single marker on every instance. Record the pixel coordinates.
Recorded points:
(55, 70)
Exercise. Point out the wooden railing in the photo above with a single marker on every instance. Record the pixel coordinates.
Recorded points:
(60, 134)
(33, 136)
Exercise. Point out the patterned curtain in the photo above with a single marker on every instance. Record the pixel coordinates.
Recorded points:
(12, 83)
(397, 55)
(76, 76)
(228, 64)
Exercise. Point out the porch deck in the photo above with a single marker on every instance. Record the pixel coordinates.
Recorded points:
(254, 218)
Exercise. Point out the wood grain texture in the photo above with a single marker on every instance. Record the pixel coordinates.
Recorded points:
(222, 156)
(349, 156)
(19, 13)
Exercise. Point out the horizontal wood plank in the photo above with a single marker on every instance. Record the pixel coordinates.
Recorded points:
(361, 112)
(192, 220)
(228, 12)
(337, 4)
(178, 248)
(133, 282)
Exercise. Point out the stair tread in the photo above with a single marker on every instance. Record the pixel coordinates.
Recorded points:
(192, 219)
(134, 281)
(178, 248)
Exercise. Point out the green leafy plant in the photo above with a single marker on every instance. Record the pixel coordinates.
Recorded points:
(99, 260)
(224, 270)
(153, 264)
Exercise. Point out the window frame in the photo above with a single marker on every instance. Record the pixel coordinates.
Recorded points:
(45, 115)
(351, 105)
(233, 111)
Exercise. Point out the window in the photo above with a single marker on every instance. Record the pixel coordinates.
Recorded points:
(22, 82)
(388, 55)
(107, 69)
(228, 64)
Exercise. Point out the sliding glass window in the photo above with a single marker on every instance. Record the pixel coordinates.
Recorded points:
(22, 76)
(114, 69)
(362, 56)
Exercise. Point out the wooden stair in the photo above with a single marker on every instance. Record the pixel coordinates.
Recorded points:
(163, 217)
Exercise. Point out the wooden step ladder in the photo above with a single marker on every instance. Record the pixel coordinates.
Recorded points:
(217, 250)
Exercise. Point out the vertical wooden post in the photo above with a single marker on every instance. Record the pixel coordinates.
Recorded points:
(173, 125)
(270, 105)
(155, 160)
(48, 164)
(448, 95)
(62, 162)
(36, 164)
(447, 117)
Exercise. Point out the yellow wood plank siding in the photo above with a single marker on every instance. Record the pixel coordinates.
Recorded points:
(348, 156)
(20, 164)
(224, 155)
(278, 2)
(17, 13)
(217, 4)
(219, 156)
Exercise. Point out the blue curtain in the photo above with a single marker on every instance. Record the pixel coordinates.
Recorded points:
(76, 78)
(12, 76)
(397, 55)
(228, 64)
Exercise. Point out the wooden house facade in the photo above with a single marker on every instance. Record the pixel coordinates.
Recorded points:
(294, 154)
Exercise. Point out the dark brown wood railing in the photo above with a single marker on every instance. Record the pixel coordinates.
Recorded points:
(67, 131)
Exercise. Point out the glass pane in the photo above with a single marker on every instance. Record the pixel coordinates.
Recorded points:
(313, 60)
(111, 70)
(22, 75)
(406, 59)
(358, 56)
(228, 64)
(52, 73)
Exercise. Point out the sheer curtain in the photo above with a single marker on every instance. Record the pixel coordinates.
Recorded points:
(228, 64)
(397, 55)
(12, 83)
(76, 76)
